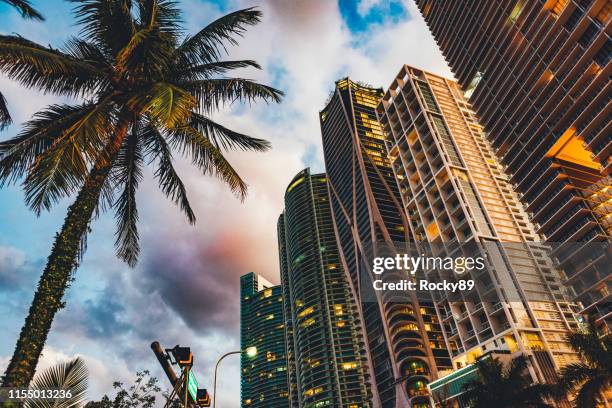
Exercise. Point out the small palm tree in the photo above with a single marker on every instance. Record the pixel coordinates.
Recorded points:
(70, 377)
(591, 378)
(504, 387)
(27, 11)
(147, 92)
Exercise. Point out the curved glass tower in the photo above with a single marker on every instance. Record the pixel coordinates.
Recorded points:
(327, 360)
(404, 342)
(263, 379)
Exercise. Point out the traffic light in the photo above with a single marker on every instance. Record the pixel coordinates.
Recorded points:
(183, 356)
(203, 398)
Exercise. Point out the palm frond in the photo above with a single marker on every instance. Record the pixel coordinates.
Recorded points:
(207, 71)
(591, 393)
(62, 168)
(66, 376)
(166, 104)
(207, 45)
(212, 94)
(225, 138)
(18, 155)
(88, 52)
(50, 70)
(574, 374)
(148, 52)
(207, 157)
(25, 8)
(109, 24)
(127, 171)
(163, 14)
(169, 181)
(5, 116)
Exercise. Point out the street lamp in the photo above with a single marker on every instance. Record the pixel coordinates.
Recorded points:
(250, 352)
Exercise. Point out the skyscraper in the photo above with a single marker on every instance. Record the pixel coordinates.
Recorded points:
(538, 75)
(404, 341)
(263, 378)
(458, 199)
(327, 359)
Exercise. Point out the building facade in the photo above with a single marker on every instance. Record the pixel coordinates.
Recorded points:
(263, 378)
(538, 75)
(327, 361)
(404, 344)
(459, 200)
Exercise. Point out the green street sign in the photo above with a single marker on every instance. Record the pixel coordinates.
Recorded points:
(192, 385)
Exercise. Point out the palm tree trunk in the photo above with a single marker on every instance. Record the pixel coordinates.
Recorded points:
(57, 274)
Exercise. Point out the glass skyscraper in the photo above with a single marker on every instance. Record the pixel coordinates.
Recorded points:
(537, 73)
(404, 343)
(326, 358)
(263, 378)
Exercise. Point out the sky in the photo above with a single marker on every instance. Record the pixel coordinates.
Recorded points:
(185, 288)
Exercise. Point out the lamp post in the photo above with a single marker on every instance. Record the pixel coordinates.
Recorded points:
(250, 352)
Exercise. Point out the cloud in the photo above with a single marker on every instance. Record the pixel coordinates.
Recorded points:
(365, 6)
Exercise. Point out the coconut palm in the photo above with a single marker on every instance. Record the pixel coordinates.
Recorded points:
(27, 11)
(146, 92)
(590, 378)
(70, 377)
(504, 387)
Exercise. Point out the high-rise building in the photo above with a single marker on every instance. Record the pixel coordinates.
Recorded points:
(263, 378)
(458, 199)
(327, 360)
(537, 73)
(404, 342)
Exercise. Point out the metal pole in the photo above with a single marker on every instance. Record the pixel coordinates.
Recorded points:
(215, 379)
(186, 382)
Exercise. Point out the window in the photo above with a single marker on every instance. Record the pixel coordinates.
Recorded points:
(473, 84)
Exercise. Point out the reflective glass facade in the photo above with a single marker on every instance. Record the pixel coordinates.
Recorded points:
(327, 358)
(263, 378)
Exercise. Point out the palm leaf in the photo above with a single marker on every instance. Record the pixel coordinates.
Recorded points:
(109, 24)
(165, 104)
(18, 155)
(169, 181)
(26, 10)
(225, 138)
(50, 70)
(207, 157)
(127, 171)
(162, 14)
(208, 70)
(66, 376)
(206, 46)
(214, 93)
(5, 116)
(63, 167)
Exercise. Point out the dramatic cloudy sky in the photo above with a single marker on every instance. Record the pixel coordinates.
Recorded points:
(185, 288)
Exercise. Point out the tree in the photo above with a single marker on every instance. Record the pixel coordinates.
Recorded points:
(70, 377)
(505, 387)
(27, 11)
(141, 394)
(591, 378)
(148, 92)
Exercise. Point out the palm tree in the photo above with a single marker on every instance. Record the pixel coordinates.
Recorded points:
(504, 387)
(27, 11)
(147, 92)
(590, 378)
(70, 377)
